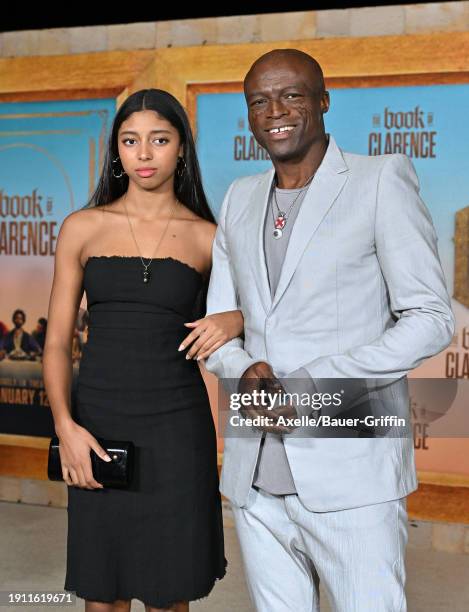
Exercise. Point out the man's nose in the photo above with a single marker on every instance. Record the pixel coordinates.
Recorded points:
(276, 109)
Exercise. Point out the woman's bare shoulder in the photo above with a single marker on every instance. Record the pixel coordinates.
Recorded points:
(204, 232)
(201, 227)
(83, 216)
(207, 229)
(79, 226)
(209, 235)
(89, 215)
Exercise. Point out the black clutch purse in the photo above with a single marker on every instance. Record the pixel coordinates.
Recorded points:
(116, 474)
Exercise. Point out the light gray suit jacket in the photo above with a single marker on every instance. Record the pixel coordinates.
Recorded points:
(361, 295)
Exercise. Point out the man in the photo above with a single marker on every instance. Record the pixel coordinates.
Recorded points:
(351, 287)
(39, 334)
(17, 343)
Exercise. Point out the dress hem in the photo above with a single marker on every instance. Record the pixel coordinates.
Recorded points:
(202, 594)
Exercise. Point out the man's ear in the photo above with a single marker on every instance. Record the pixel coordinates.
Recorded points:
(325, 102)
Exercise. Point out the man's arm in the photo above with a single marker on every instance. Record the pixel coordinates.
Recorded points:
(406, 246)
(33, 344)
(230, 360)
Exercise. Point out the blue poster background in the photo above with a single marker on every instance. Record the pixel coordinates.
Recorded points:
(434, 116)
(50, 159)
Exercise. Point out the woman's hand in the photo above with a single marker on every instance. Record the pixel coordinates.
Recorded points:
(75, 443)
(211, 332)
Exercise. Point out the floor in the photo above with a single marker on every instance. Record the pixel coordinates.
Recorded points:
(32, 541)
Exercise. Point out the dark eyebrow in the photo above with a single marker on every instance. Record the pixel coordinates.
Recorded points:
(264, 93)
(152, 132)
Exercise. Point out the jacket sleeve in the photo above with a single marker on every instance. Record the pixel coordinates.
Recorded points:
(406, 248)
(230, 360)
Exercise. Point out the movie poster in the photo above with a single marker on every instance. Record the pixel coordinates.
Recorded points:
(52, 153)
(427, 123)
(50, 158)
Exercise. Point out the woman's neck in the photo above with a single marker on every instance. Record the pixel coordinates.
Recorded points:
(148, 205)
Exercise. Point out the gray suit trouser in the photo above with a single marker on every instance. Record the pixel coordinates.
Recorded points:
(357, 553)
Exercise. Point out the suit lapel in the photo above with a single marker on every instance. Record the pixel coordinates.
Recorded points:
(255, 235)
(323, 191)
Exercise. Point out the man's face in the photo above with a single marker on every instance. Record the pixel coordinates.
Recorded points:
(18, 320)
(285, 107)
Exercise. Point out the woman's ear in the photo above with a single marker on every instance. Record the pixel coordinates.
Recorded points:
(181, 151)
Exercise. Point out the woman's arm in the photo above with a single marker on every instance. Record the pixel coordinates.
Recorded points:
(65, 298)
(211, 332)
(214, 330)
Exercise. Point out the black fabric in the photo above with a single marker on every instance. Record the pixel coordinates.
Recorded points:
(161, 540)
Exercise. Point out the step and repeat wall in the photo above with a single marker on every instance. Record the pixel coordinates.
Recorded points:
(50, 158)
(427, 123)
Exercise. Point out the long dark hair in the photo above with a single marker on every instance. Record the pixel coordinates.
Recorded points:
(187, 180)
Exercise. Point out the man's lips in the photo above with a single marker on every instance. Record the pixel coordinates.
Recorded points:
(280, 132)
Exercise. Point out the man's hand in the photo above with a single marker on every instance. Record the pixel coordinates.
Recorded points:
(260, 376)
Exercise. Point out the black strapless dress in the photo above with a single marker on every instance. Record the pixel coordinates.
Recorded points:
(161, 540)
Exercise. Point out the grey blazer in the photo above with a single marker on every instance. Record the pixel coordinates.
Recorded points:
(361, 295)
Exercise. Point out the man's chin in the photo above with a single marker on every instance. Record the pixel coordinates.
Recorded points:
(283, 153)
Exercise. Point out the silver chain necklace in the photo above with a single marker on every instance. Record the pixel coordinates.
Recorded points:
(280, 220)
(146, 273)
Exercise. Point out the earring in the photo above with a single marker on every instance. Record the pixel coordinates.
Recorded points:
(181, 168)
(114, 161)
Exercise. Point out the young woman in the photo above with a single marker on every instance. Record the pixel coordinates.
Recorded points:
(141, 250)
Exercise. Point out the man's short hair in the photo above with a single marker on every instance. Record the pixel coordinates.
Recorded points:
(19, 311)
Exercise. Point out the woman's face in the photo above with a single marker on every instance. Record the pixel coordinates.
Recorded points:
(146, 140)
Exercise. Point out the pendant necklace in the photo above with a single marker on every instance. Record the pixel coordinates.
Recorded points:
(280, 220)
(146, 272)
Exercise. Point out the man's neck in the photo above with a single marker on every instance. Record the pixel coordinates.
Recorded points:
(294, 174)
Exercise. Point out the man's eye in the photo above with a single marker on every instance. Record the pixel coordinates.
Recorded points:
(257, 102)
(292, 95)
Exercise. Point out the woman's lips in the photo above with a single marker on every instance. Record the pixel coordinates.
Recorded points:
(145, 173)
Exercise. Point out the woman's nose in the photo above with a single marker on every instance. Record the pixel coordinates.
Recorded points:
(144, 151)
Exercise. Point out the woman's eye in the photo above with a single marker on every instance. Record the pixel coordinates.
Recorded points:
(164, 140)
